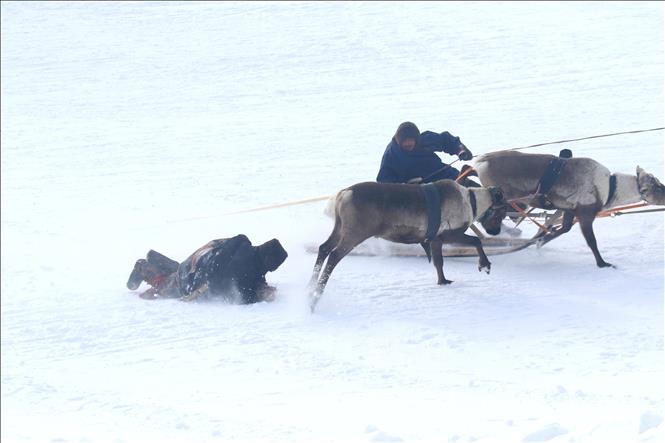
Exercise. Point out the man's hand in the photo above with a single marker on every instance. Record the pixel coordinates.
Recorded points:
(415, 181)
(464, 154)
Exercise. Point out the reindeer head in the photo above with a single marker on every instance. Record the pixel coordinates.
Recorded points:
(492, 218)
(650, 188)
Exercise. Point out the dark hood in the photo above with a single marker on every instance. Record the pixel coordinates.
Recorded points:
(271, 254)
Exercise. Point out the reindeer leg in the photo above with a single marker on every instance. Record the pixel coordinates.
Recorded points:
(338, 253)
(462, 238)
(427, 246)
(586, 224)
(324, 251)
(566, 225)
(437, 258)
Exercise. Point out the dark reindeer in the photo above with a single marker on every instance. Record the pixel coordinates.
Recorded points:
(583, 189)
(398, 213)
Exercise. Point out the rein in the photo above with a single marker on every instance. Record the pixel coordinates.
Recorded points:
(551, 143)
(315, 199)
(440, 170)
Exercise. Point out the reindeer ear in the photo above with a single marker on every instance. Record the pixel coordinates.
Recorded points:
(639, 171)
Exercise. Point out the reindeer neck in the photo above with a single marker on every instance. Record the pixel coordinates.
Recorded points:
(483, 200)
(626, 191)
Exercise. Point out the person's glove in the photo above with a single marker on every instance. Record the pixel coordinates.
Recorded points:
(464, 154)
(415, 181)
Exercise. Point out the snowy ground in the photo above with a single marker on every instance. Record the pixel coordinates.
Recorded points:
(130, 126)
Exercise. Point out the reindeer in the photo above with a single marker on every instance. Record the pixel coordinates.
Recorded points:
(583, 188)
(398, 213)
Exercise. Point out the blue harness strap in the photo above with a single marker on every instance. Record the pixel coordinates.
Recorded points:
(550, 177)
(433, 206)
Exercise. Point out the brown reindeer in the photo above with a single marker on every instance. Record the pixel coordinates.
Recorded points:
(583, 189)
(398, 212)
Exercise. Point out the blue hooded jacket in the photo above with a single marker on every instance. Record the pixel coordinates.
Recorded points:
(400, 166)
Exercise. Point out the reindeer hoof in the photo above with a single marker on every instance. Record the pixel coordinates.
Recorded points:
(313, 300)
(486, 268)
(445, 282)
(606, 265)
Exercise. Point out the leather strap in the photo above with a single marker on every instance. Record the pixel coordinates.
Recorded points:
(548, 179)
(433, 206)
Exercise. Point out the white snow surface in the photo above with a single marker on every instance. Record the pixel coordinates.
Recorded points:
(129, 126)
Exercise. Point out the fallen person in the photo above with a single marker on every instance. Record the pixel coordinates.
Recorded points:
(230, 268)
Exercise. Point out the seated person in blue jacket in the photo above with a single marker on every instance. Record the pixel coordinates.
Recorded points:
(411, 157)
(230, 268)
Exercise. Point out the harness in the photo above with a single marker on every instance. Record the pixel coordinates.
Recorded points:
(433, 207)
(474, 206)
(552, 173)
(613, 189)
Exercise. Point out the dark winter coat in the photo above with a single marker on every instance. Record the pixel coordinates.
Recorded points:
(400, 166)
(226, 265)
